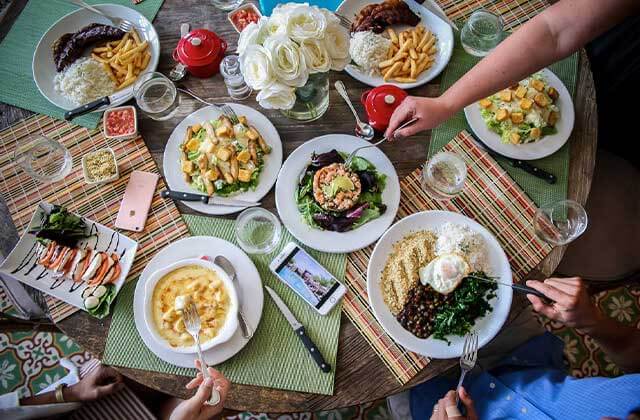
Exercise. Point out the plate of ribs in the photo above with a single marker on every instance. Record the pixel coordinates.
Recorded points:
(391, 44)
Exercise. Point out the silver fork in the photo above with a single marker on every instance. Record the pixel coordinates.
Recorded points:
(344, 21)
(192, 323)
(468, 358)
(224, 108)
(123, 24)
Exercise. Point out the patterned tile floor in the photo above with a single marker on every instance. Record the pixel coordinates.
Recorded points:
(29, 360)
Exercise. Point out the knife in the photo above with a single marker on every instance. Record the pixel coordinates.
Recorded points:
(431, 7)
(205, 199)
(105, 100)
(517, 163)
(298, 328)
(517, 287)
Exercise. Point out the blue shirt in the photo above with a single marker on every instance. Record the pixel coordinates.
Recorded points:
(532, 384)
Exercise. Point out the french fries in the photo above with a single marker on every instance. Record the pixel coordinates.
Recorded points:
(412, 52)
(123, 59)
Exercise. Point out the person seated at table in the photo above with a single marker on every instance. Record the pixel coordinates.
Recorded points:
(532, 382)
(554, 34)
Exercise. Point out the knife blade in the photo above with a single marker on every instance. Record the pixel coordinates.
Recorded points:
(105, 100)
(205, 199)
(517, 287)
(517, 163)
(298, 328)
(433, 8)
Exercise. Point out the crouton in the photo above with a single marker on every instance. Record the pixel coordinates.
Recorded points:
(517, 117)
(521, 92)
(537, 84)
(212, 174)
(196, 128)
(223, 154)
(535, 133)
(484, 103)
(243, 120)
(187, 167)
(502, 114)
(193, 145)
(526, 104)
(505, 95)
(244, 175)
(541, 100)
(244, 156)
(515, 138)
(223, 131)
(252, 134)
(553, 118)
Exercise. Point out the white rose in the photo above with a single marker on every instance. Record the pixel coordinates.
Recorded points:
(253, 34)
(304, 22)
(329, 16)
(288, 64)
(316, 56)
(255, 65)
(336, 40)
(277, 22)
(277, 96)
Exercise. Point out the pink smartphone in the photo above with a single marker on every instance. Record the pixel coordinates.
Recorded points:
(136, 202)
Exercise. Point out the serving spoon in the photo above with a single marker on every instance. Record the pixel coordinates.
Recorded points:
(363, 130)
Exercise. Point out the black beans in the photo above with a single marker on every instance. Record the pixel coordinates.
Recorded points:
(419, 312)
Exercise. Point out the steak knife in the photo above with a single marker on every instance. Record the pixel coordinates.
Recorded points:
(205, 199)
(105, 100)
(298, 328)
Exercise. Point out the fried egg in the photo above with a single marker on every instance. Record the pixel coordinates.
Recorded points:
(444, 273)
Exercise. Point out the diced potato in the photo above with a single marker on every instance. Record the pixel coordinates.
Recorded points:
(244, 175)
(193, 145)
(535, 133)
(187, 167)
(223, 154)
(252, 134)
(553, 93)
(553, 118)
(517, 117)
(541, 100)
(243, 120)
(537, 85)
(244, 156)
(223, 131)
(502, 114)
(212, 174)
(515, 138)
(505, 95)
(521, 92)
(196, 128)
(484, 103)
(526, 104)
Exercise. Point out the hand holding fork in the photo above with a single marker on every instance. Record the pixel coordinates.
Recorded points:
(468, 358)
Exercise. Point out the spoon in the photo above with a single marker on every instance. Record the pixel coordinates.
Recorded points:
(226, 265)
(363, 130)
(178, 72)
(349, 158)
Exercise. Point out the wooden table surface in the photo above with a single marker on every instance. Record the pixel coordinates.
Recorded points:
(360, 374)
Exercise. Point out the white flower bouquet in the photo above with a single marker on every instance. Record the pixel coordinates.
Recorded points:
(280, 53)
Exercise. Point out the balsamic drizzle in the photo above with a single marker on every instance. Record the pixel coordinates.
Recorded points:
(27, 259)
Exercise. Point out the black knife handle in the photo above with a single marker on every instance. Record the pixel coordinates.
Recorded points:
(184, 196)
(313, 350)
(535, 171)
(83, 109)
(529, 290)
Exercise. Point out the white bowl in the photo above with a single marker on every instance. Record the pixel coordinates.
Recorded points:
(230, 323)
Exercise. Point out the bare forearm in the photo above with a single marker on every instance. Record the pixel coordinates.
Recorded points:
(50, 397)
(620, 342)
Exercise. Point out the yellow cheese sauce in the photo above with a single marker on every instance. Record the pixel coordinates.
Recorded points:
(204, 288)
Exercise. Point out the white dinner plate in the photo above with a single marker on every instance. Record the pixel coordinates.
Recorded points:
(547, 145)
(487, 327)
(324, 240)
(442, 30)
(272, 161)
(249, 284)
(44, 69)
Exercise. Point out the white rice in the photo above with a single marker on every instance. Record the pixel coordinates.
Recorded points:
(461, 240)
(368, 49)
(84, 81)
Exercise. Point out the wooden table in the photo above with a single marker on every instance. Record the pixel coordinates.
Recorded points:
(358, 364)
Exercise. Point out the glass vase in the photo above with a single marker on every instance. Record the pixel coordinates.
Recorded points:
(312, 99)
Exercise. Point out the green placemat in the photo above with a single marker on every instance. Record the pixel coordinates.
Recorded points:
(558, 163)
(274, 357)
(16, 54)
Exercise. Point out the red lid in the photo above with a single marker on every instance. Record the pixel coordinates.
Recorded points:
(199, 48)
(380, 102)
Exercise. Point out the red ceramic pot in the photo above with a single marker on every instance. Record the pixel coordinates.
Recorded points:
(201, 52)
(380, 102)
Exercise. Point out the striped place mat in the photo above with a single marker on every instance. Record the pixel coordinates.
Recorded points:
(490, 197)
(96, 202)
(514, 12)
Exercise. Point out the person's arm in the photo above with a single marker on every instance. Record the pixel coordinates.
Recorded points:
(554, 34)
(574, 308)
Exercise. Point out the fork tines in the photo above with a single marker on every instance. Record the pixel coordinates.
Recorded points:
(470, 349)
(190, 317)
(344, 21)
(229, 112)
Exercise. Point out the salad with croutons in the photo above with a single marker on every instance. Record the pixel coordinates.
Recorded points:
(523, 113)
(223, 158)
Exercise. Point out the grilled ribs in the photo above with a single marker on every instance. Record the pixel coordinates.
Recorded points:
(376, 17)
(69, 47)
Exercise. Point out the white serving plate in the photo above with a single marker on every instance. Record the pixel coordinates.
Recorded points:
(273, 161)
(323, 240)
(487, 327)
(23, 257)
(546, 146)
(441, 29)
(44, 69)
(250, 291)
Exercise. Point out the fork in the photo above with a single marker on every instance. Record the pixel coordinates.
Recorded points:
(224, 108)
(123, 24)
(349, 158)
(192, 323)
(468, 358)
(344, 21)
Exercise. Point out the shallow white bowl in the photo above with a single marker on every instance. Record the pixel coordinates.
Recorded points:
(230, 323)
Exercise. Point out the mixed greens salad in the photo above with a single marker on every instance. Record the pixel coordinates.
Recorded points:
(367, 206)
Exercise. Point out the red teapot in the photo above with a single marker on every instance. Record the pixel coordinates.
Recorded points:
(380, 102)
(201, 52)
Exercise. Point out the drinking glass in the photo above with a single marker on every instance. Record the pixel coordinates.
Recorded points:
(156, 96)
(45, 160)
(258, 231)
(481, 33)
(444, 175)
(561, 222)
(226, 5)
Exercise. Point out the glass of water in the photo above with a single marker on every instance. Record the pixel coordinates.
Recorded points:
(258, 231)
(444, 175)
(226, 5)
(561, 222)
(481, 33)
(156, 96)
(45, 160)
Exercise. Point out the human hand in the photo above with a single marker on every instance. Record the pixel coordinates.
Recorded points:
(196, 407)
(99, 383)
(572, 304)
(449, 401)
(430, 113)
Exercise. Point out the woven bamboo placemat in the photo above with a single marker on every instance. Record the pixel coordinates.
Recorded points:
(491, 198)
(96, 202)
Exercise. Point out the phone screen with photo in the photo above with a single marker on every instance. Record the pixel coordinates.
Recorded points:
(308, 278)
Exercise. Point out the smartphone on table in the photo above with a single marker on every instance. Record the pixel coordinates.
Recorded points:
(308, 278)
